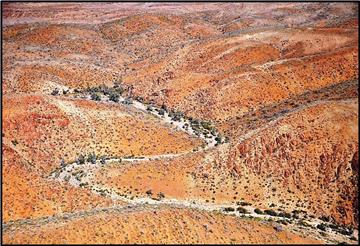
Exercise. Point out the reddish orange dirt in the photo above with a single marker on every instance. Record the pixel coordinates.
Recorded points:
(276, 84)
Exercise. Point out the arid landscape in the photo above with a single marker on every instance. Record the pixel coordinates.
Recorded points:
(172, 123)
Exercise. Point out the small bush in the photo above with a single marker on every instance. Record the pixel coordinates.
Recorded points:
(80, 159)
(161, 111)
(206, 125)
(218, 139)
(140, 99)
(102, 160)
(229, 209)
(284, 214)
(55, 92)
(243, 203)
(270, 212)
(242, 210)
(295, 216)
(161, 195)
(325, 218)
(321, 226)
(284, 222)
(175, 116)
(304, 223)
(258, 211)
(346, 232)
(95, 97)
(91, 158)
(114, 97)
(127, 101)
(83, 184)
(14, 142)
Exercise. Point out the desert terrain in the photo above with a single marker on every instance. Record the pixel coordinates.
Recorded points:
(232, 123)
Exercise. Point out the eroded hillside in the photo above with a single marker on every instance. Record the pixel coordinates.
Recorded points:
(180, 122)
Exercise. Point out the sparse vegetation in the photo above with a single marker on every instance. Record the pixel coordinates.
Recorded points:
(80, 159)
(229, 209)
(127, 101)
(55, 92)
(242, 210)
(114, 97)
(279, 103)
(270, 212)
(243, 203)
(321, 226)
(91, 158)
(161, 195)
(95, 97)
(14, 142)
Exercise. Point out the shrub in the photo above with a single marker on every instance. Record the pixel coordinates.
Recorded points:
(270, 212)
(258, 211)
(95, 97)
(175, 116)
(149, 192)
(346, 232)
(284, 214)
(229, 209)
(91, 158)
(118, 83)
(321, 226)
(127, 101)
(80, 159)
(194, 122)
(161, 111)
(161, 195)
(206, 125)
(114, 97)
(333, 226)
(83, 184)
(242, 210)
(325, 218)
(284, 222)
(304, 223)
(55, 92)
(295, 216)
(102, 160)
(120, 90)
(104, 89)
(139, 99)
(14, 142)
(243, 203)
(218, 139)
